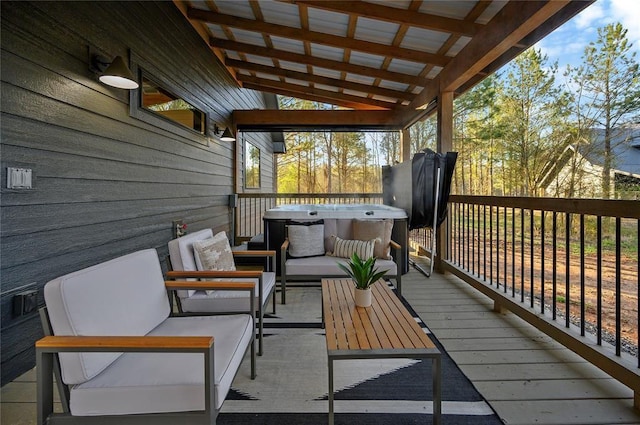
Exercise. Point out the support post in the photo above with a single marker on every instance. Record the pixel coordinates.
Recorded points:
(405, 145)
(444, 144)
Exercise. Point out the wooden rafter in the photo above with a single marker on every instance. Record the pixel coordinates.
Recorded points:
(317, 79)
(398, 16)
(319, 62)
(269, 86)
(317, 37)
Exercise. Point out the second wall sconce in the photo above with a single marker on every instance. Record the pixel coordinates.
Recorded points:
(227, 135)
(115, 73)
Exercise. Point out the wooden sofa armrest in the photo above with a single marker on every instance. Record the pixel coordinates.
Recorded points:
(285, 245)
(255, 253)
(53, 343)
(259, 253)
(394, 245)
(208, 274)
(203, 285)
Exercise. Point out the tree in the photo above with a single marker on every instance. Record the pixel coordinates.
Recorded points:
(609, 80)
(423, 134)
(533, 114)
(474, 133)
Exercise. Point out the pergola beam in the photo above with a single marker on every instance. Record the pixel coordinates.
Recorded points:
(346, 120)
(273, 86)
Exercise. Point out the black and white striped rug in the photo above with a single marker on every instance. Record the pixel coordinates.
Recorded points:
(292, 382)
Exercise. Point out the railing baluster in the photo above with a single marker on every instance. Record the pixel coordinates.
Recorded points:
(521, 254)
(459, 234)
(531, 254)
(599, 278)
(506, 248)
(582, 291)
(497, 247)
(618, 287)
(542, 298)
(513, 252)
(554, 261)
(468, 244)
(491, 245)
(473, 239)
(567, 291)
(484, 241)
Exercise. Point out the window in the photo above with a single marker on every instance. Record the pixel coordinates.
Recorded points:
(160, 101)
(251, 166)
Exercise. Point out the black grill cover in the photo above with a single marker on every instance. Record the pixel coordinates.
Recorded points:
(412, 186)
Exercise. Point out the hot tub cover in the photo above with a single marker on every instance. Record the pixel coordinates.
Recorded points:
(418, 197)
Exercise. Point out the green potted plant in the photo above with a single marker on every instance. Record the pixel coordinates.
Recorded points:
(364, 274)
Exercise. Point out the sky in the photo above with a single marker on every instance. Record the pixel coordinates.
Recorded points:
(566, 44)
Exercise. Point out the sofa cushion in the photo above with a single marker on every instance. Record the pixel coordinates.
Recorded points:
(181, 253)
(214, 253)
(345, 248)
(380, 230)
(181, 250)
(125, 296)
(306, 239)
(340, 227)
(149, 382)
(327, 266)
(228, 301)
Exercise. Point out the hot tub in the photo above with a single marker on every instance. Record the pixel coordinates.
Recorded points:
(276, 220)
(309, 211)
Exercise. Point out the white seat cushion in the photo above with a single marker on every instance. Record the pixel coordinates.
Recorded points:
(228, 301)
(167, 382)
(327, 266)
(124, 296)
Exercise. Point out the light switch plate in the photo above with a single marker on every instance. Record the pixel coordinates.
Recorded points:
(19, 178)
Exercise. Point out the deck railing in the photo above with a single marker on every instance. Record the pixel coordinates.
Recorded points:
(568, 266)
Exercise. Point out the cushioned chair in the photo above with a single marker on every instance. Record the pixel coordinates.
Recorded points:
(119, 356)
(186, 264)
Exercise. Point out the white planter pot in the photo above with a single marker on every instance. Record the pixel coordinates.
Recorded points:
(362, 297)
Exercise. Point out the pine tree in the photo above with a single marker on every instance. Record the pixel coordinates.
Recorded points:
(609, 79)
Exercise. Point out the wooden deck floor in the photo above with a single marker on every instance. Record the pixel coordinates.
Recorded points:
(526, 377)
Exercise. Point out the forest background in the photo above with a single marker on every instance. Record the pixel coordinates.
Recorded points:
(527, 130)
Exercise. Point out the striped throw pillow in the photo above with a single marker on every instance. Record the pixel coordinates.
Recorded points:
(345, 248)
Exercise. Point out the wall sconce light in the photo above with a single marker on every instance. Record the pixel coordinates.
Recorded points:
(115, 73)
(227, 135)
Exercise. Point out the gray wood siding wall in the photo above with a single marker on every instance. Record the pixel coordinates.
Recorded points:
(106, 184)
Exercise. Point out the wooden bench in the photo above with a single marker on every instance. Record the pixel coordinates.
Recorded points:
(384, 330)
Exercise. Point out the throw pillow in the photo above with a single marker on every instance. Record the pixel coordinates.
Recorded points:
(214, 253)
(345, 248)
(375, 229)
(306, 239)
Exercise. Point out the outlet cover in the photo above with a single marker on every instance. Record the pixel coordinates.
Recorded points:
(25, 303)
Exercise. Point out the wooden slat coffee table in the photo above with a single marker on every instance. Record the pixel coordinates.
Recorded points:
(384, 330)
